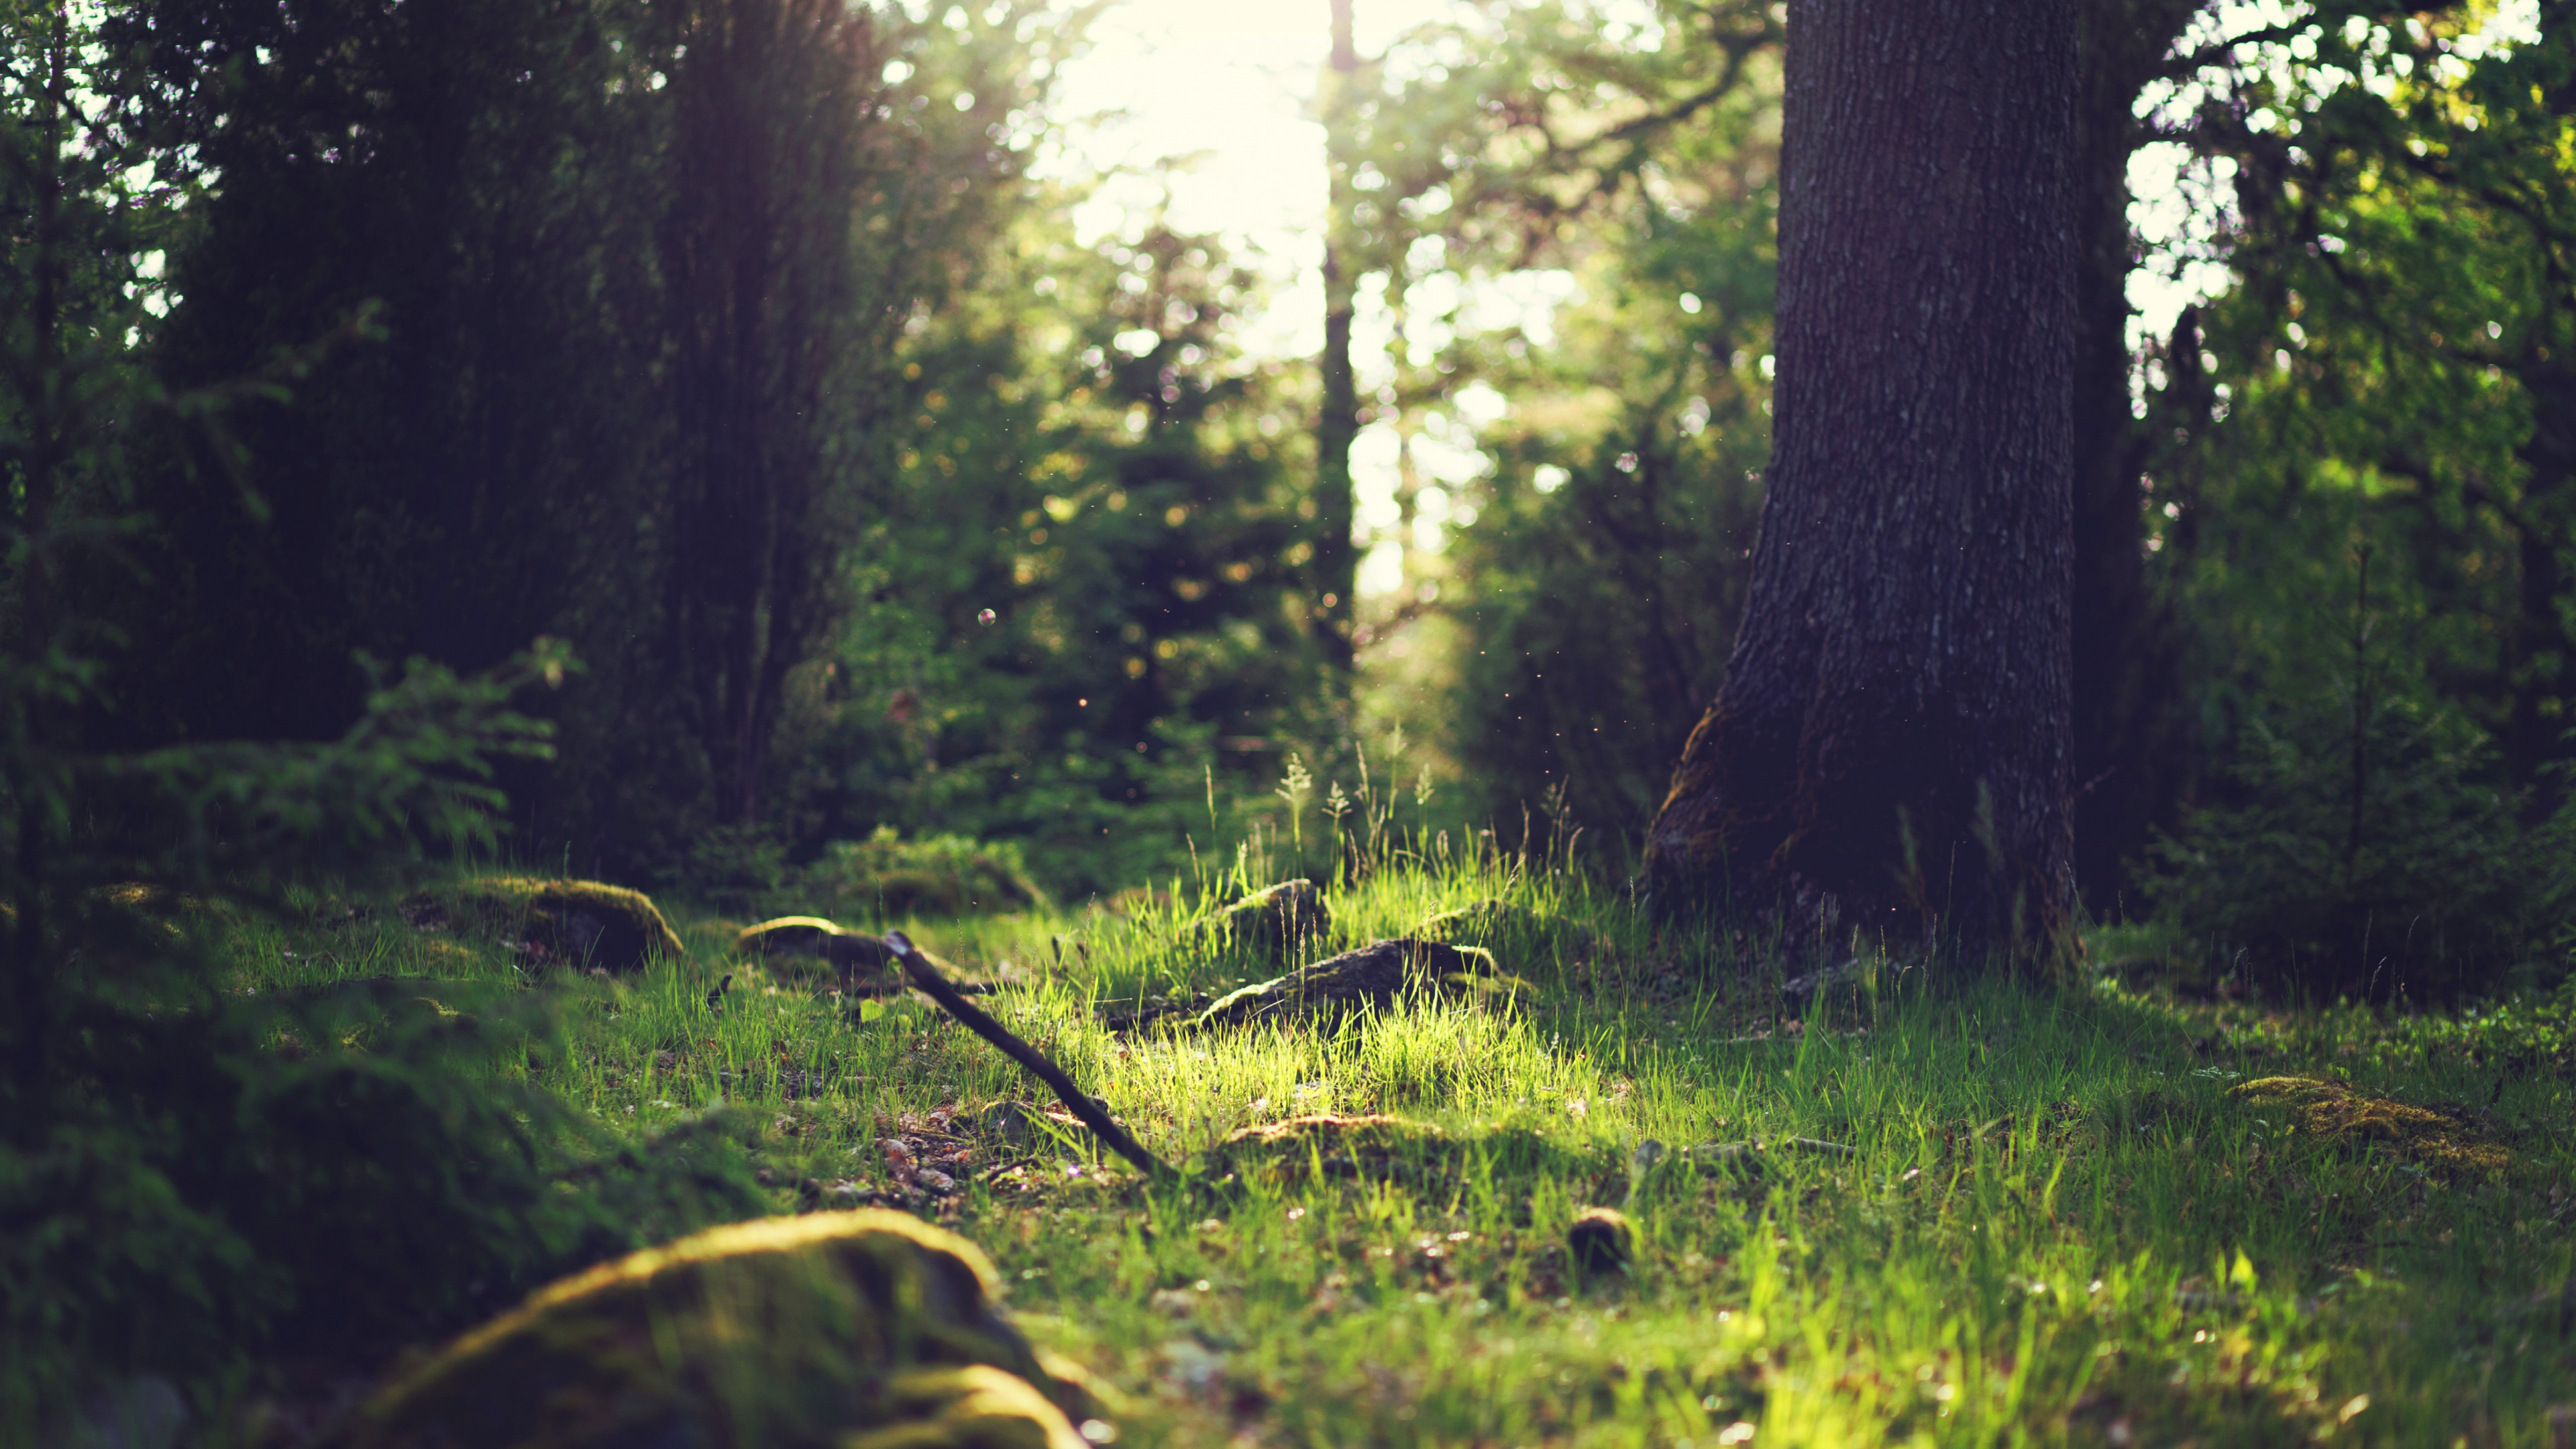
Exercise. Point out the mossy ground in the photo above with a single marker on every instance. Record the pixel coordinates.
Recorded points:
(2064, 1224)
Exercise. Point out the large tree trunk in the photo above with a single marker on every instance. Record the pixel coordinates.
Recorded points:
(1890, 751)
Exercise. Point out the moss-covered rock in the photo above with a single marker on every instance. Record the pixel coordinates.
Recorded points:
(1375, 974)
(1282, 922)
(2452, 1138)
(584, 922)
(1361, 1140)
(787, 939)
(975, 1407)
(552, 922)
(845, 1329)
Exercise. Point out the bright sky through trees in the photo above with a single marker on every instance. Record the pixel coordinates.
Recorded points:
(1210, 97)
(1209, 101)
(1213, 102)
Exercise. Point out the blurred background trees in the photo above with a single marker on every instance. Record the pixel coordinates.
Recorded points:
(748, 347)
(730, 343)
(770, 490)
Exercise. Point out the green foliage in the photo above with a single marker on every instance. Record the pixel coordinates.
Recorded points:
(2427, 884)
(1600, 611)
(771, 532)
(567, 424)
(885, 878)
(2373, 417)
(323, 1173)
(197, 1175)
(1088, 587)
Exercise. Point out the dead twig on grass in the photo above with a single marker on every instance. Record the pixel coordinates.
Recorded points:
(1092, 1114)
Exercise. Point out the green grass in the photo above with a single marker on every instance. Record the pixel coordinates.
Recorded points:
(2060, 1227)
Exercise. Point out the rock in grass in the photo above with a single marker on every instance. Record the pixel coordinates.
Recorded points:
(1278, 921)
(941, 875)
(974, 1407)
(849, 1328)
(1014, 1123)
(1600, 1241)
(1375, 974)
(586, 923)
(578, 923)
(850, 953)
(1798, 993)
(2454, 1138)
(1333, 1144)
(1750, 1155)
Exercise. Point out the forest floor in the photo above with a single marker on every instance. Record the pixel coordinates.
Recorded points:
(2100, 1216)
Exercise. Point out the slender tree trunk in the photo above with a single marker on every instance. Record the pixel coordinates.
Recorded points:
(1336, 567)
(2539, 643)
(45, 385)
(1890, 751)
(2361, 712)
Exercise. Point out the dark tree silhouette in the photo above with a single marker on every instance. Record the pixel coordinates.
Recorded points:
(773, 146)
(2129, 711)
(1890, 750)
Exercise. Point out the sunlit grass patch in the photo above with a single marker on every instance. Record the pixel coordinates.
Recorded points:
(2048, 1218)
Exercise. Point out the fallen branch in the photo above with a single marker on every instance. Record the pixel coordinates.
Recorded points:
(937, 988)
(1738, 1151)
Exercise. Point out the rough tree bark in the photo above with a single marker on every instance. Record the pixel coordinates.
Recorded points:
(1890, 751)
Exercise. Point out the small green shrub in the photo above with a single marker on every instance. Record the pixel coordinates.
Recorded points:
(942, 875)
(2372, 863)
(324, 1174)
(739, 870)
